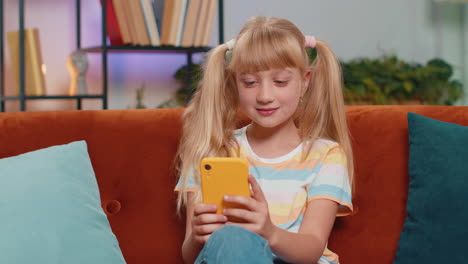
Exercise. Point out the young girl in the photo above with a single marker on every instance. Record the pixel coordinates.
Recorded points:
(297, 146)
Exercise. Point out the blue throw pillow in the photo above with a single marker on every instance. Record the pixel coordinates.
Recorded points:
(50, 209)
(435, 229)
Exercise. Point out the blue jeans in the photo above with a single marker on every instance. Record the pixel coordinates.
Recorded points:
(233, 245)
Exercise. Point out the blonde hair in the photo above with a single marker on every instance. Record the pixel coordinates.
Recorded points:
(263, 43)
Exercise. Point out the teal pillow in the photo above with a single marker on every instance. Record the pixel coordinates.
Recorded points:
(435, 229)
(50, 209)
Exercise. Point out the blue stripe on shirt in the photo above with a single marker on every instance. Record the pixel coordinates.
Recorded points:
(329, 190)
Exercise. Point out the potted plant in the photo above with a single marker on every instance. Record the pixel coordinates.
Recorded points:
(388, 80)
(183, 95)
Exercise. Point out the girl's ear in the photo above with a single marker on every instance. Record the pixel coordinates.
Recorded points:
(306, 81)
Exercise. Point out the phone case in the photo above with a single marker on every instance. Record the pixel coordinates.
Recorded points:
(221, 176)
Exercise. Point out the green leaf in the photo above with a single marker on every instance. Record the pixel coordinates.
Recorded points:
(408, 86)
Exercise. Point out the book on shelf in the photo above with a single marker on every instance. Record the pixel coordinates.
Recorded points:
(208, 26)
(130, 21)
(201, 21)
(167, 21)
(139, 23)
(150, 21)
(33, 64)
(181, 22)
(190, 23)
(122, 20)
(175, 19)
(197, 18)
(158, 7)
(112, 28)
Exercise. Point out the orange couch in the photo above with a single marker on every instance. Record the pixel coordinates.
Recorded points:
(132, 153)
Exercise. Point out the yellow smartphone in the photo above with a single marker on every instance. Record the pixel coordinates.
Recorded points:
(224, 176)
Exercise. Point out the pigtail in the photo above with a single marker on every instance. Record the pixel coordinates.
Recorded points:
(324, 109)
(208, 121)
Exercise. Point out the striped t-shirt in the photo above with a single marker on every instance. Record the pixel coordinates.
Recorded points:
(289, 184)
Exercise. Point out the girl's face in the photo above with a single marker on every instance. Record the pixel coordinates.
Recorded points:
(270, 98)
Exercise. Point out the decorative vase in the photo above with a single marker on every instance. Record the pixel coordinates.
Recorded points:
(77, 65)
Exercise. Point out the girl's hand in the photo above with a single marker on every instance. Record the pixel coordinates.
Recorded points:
(256, 215)
(205, 221)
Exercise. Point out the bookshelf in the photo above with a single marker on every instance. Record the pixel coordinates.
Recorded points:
(104, 49)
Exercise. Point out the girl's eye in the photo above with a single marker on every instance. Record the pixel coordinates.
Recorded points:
(281, 83)
(251, 83)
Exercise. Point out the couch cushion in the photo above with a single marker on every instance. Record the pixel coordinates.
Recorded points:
(50, 209)
(435, 227)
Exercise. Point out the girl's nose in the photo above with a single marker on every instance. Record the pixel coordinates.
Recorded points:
(265, 93)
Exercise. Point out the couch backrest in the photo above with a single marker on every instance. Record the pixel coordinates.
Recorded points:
(132, 153)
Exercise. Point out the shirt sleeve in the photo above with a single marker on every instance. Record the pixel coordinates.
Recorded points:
(192, 185)
(332, 180)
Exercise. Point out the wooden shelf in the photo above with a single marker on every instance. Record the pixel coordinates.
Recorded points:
(39, 97)
(156, 49)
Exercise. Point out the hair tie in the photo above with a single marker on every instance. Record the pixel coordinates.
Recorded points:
(230, 44)
(310, 41)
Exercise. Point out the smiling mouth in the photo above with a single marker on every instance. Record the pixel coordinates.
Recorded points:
(266, 111)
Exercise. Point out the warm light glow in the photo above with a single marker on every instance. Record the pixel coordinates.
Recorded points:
(44, 69)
